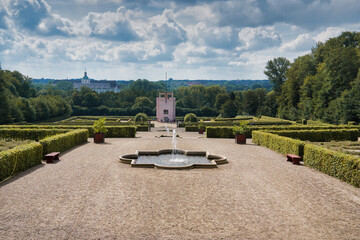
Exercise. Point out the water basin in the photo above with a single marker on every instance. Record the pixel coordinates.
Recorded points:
(173, 159)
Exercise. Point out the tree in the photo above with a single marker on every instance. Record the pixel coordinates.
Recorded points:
(228, 109)
(4, 106)
(275, 71)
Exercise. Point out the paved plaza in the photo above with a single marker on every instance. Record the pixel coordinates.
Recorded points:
(89, 194)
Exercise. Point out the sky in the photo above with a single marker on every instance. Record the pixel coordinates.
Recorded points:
(188, 39)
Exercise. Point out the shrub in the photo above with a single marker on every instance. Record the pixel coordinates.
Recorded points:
(321, 135)
(141, 118)
(142, 128)
(65, 141)
(241, 128)
(32, 134)
(193, 128)
(19, 159)
(340, 165)
(219, 132)
(190, 117)
(99, 126)
(278, 143)
(123, 131)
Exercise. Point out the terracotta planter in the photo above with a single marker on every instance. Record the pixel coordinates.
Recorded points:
(99, 138)
(201, 131)
(240, 138)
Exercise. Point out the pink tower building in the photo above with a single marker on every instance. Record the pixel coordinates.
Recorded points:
(165, 107)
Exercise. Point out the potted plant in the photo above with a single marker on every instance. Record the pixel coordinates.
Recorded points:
(99, 130)
(239, 131)
(201, 128)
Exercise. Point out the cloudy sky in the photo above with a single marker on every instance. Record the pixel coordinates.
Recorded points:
(188, 39)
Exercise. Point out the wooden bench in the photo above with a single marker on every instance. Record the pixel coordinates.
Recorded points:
(51, 157)
(293, 158)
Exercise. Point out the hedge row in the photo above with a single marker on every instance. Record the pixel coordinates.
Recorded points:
(321, 135)
(65, 141)
(278, 143)
(113, 131)
(340, 165)
(219, 132)
(118, 132)
(191, 128)
(19, 159)
(32, 134)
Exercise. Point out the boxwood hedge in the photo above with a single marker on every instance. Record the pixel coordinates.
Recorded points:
(65, 141)
(278, 143)
(340, 165)
(32, 134)
(19, 159)
(320, 135)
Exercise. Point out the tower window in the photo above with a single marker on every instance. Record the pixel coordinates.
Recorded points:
(166, 111)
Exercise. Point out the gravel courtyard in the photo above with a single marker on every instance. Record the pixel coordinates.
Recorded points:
(89, 194)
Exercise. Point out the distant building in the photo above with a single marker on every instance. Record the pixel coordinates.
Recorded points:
(165, 107)
(98, 86)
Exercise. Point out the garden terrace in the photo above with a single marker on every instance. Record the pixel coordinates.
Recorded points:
(90, 195)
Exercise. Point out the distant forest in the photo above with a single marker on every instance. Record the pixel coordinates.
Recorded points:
(322, 85)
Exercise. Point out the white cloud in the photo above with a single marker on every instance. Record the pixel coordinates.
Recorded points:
(328, 33)
(301, 43)
(258, 38)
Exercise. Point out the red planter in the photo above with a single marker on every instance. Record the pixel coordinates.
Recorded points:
(201, 131)
(99, 138)
(240, 138)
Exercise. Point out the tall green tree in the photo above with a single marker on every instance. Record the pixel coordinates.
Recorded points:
(275, 70)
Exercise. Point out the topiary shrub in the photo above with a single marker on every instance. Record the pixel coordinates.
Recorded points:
(340, 165)
(190, 117)
(141, 118)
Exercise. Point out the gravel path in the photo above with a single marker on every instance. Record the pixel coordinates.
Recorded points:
(88, 194)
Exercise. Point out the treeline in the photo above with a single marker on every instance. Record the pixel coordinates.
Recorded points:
(323, 85)
(141, 95)
(20, 101)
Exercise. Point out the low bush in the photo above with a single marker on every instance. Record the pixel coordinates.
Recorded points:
(19, 159)
(191, 128)
(142, 128)
(278, 143)
(32, 134)
(120, 132)
(219, 132)
(320, 135)
(65, 141)
(340, 165)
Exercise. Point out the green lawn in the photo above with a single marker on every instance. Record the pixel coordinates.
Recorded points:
(6, 144)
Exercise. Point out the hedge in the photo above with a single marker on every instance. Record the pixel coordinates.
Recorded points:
(19, 159)
(65, 141)
(340, 165)
(278, 143)
(32, 134)
(321, 135)
(113, 131)
(191, 128)
(219, 132)
(118, 132)
(142, 128)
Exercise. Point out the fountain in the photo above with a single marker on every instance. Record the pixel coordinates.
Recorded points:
(173, 158)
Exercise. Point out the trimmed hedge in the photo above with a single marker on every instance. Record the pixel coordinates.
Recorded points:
(321, 135)
(340, 165)
(219, 132)
(19, 159)
(278, 143)
(191, 128)
(113, 131)
(142, 128)
(32, 134)
(65, 141)
(119, 132)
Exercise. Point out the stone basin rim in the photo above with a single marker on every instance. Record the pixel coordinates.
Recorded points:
(213, 159)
